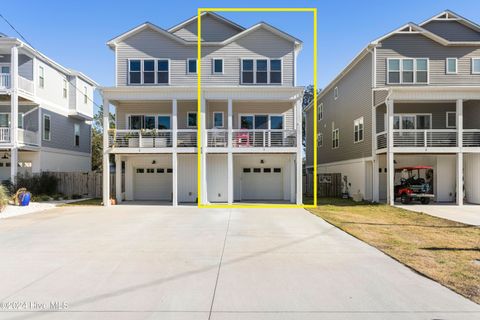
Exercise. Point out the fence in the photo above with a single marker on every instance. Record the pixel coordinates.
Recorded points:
(87, 184)
(330, 185)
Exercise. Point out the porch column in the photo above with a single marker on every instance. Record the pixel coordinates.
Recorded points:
(459, 119)
(14, 113)
(118, 178)
(293, 176)
(376, 179)
(390, 154)
(106, 154)
(174, 154)
(299, 162)
(230, 154)
(203, 153)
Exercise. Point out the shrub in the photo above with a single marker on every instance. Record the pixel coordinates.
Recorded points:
(76, 196)
(4, 197)
(37, 184)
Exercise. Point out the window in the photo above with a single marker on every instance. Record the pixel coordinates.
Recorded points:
(358, 130)
(247, 71)
(411, 121)
(335, 138)
(140, 170)
(320, 140)
(85, 95)
(163, 71)
(163, 123)
(277, 170)
(192, 119)
(276, 71)
(217, 66)
(169, 170)
(20, 120)
(320, 112)
(76, 132)
(451, 119)
(267, 170)
(46, 127)
(149, 71)
(218, 119)
(262, 71)
(407, 71)
(246, 170)
(149, 122)
(476, 65)
(41, 77)
(160, 170)
(65, 88)
(335, 93)
(135, 71)
(451, 65)
(192, 66)
(257, 170)
(135, 122)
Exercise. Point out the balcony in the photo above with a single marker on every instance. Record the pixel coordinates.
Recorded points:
(25, 137)
(151, 138)
(430, 138)
(252, 138)
(23, 83)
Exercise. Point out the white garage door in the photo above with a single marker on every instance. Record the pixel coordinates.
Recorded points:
(262, 184)
(153, 184)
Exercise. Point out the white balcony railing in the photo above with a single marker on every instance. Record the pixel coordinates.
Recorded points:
(25, 84)
(4, 80)
(4, 135)
(217, 138)
(140, 138)
(471, 137)
(26, 137)
(272, 138)
(186, 138)
(382, 140)
(429, 138)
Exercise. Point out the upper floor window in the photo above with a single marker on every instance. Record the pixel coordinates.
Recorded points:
(407, 71)
(65, 88)
(218, 120)
(41, 77)
(476, 65)
(320, 112)
(320, 139)
(261, 71)
(192, 66)
(451, 119)
(76, 132)
(150, 122)
(148, 71)
(46, 127)
(335, 138)
(85, 94)
(358, 130)
(217, 66)
(335, 93)
(192, 119)
(451, 65)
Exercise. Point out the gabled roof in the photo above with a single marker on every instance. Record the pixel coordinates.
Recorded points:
(213, 15)
(449, 15)
(412, 28)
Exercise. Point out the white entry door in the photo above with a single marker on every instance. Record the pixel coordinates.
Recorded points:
(262, 184)
(153, 184)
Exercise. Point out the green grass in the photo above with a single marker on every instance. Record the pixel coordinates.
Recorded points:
(86, 202)
(442, 250)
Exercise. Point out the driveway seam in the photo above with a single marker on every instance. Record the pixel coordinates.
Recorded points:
(220, 264)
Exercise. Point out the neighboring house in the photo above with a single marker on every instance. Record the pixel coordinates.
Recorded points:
(250, 111)
(45, 113)
(411, 97)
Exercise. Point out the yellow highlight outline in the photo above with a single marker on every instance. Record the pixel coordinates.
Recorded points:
(199, 104)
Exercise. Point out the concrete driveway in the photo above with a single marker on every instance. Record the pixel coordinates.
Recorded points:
(468, 214)
(151, 262)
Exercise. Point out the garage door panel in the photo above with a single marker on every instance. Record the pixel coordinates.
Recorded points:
(153, 184)
(262, 184)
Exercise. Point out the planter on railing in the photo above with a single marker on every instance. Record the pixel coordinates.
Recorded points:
(140, 138)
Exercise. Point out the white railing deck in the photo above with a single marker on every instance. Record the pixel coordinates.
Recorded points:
(263, 138)
(23, 83)
(140, 138)
(430, 138)
(471, 138)
(26, 137)
(186, 138)
(4, 80)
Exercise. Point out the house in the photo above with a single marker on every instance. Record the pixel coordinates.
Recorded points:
(410, 98)
(251, 114)
(45, 113)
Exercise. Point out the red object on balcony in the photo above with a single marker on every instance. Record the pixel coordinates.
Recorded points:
(242, 139)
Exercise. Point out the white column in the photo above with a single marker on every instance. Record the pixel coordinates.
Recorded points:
(293, 177)
(376, 179)
(106, 154)
(203, 132)
(299, 162)
(459, 114)
(230, 154)
(390, 154)
(174, 154)
(118, 178)
(14, 113)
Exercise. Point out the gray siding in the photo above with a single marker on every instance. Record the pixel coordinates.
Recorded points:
(25, 65)
(452, 31)
(379, 96)
(213, 30)
(354, 101)
(418, 46)
(62, 133)
(471, 114)
(309, 137)
(149, 44)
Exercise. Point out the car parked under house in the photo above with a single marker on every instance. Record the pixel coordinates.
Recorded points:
(410, 98)
(250, 113)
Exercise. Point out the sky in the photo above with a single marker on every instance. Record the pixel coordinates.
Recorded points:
(74, 33)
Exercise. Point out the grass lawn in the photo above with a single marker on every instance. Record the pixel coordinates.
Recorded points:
(86, 202)
(445, 251)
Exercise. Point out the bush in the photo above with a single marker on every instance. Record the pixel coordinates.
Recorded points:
(4, 197)
(38, 184)
(40, 198)
(76, 196)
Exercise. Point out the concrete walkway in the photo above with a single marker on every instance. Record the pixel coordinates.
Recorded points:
(468, 214)
(147, 262)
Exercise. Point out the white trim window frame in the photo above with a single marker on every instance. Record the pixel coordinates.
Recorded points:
(475, 62)
(320, 111)
(214, 118)
(47, 134)
(214, 60)
(335, 93)
(188, 66)
(85, 94)
(447, 65)
(401, 71)
(319, 140)
(270, 71)
(21, 120)
(41, 77)
(335, 138)
(447, 125)
(188, 119)
(400, 117)
(76, 135)
(65, 89)
(358, 130)
(156, 72)
(254, 71)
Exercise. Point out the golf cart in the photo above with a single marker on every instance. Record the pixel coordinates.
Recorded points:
(412, 187)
